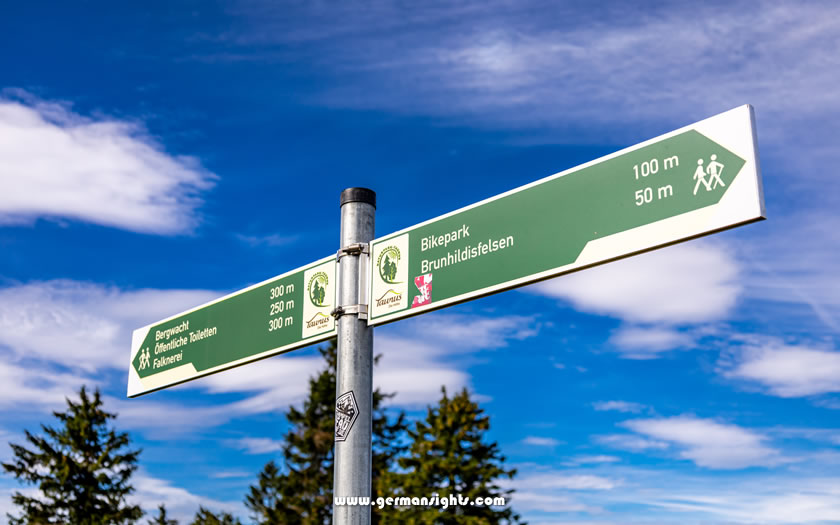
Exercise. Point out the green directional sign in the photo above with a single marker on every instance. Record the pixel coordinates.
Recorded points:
(694, 181)
(274, 316)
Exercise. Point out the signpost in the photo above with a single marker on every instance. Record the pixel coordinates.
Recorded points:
(274, 316)
(691, 182)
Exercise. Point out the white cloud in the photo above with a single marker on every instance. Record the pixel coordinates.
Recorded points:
(25, 387)
(642, 342)
(277, 382)
(259, 445)
(462, 332)
(181, 419)
(270, 241)
(270, 386)
(768, 500)
(81, 325)
(631, 442)
(619, 406)
(564, 480)
(417, 354)
(85, 327)
(230, 474)
(181, 504)
(555, 490)
(57, 163)
(541, 441)
(709, 443)
(688, 283)
(646, 496)
(524, 501)
(590, 460)
(415, 371)
(500, 64)
(787, 370)
(793, 273)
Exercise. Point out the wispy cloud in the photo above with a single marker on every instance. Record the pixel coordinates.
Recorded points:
(538, 441)
(688, 283)
(269, 241)
(709, 443)
(502, 64)
(259, 445)
(81, 325)
(27, 387)
(648, 496)
(181, 504)
(590, 460)
(644, 342)
(658, 295)
(631, 442)
(794, 262)
(785, 370)
(149, 492)
(556, 490)
(619, 406)
(770, 499)
(420, 355)
(58, 163)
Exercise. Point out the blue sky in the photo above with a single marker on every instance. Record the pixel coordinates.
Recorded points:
(159, 155)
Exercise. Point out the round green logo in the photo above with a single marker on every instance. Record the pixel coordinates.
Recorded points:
(317, 288)
(387, 263)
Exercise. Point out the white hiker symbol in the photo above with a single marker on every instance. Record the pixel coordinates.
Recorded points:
(145, 356)
(700, 176)
(714, 170)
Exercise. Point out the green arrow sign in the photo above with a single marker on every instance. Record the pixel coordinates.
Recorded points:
(694, 181)
(275, 316)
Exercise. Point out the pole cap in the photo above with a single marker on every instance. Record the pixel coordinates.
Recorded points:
(358, 195)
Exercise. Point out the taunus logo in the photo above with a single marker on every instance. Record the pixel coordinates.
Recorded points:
(387, 263)
(317, 289)
(389, 298)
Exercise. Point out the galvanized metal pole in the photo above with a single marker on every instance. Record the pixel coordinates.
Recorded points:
(354, 370)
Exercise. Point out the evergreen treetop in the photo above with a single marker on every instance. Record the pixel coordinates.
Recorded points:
(161, 518)
(450, 456)
(300, 491)
(206, 517)
(82, 468)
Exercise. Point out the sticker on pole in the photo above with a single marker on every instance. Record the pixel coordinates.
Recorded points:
(346, 412)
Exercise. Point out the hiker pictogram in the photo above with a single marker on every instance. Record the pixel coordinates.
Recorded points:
(713, 171)
(145, 357)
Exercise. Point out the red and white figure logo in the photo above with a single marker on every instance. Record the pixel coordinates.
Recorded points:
(424, 284)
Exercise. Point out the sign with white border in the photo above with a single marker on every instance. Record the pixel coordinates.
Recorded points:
(280, 314)
(694, 181)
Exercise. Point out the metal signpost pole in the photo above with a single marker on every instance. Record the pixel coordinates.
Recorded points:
(354, 370)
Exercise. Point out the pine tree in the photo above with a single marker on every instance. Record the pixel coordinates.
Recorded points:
(206, 517)
(264, 499)
(301, 492)
(449, 456)
(82, 468)
(161, 518)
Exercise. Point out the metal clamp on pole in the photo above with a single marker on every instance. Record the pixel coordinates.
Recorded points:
(360, 309)
(361, 249)
(353, 249)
